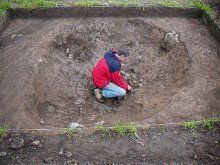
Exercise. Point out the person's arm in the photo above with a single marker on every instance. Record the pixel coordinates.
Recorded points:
(117, 78)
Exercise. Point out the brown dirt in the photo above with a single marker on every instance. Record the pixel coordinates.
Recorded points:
(179, 85)
(162, 145)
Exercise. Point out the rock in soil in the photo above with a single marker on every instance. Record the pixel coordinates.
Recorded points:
(68, 154)
(73, 125)
(36, 143)
(67, 50)
(100, 123)
(60, 40)
(48, 160)
(17, 143)
(70, 56)
(2, 154)
(170, 40)
(42, 122)
(61, 152)
(50, 109)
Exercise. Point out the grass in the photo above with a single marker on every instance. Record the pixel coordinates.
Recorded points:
(190, 125)
(70, 132)
(126, 3)
(210, 123)
(125, 128)
(4, 5)
(30, 4)
(88, 3)
(170, 3)
(3, 131)
(205, 7)
(101, 128)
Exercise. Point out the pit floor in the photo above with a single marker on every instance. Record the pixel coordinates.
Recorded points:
(175, 86)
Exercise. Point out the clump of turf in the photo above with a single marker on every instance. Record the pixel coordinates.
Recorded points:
(3, 131)
(125, 128)
(4, 5)
(205, 7)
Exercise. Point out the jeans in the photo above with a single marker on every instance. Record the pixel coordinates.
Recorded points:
(112, 90)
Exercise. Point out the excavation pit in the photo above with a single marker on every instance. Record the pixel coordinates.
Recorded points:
(46, 71)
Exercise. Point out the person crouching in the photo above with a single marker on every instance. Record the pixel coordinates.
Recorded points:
(107, 75)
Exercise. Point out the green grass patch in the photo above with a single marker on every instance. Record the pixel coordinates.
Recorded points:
(30, 4)
(69, 132)
(101, 128)
(190, 125)
(3, 131)
(210, 123)
(205, 7)
(125, 128)
(4, 5)
(170, 3)
(88, 3)
(126, 3)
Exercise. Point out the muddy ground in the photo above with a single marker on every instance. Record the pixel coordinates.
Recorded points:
(39, 82)
(42, 87)
(160, 145)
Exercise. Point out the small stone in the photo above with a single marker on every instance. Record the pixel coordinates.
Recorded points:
(19, 35)
(61, 152)
(211, 157)
(13, 36)
(135, 70)
(68, 154)
(17, 143)
(2, 154)
(60, 39)
(79, 101)
(216, 142)
(50, 109)
(67, 50)
(195, 156)
(48, 160)
(100, 123)
(1, 140)
(74, 125)
(36, 143)
(170, 40)
(139, 57)
(42, 122)
(140, 85)
(70, 56)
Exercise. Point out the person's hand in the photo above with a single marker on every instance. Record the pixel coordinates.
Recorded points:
(129, 87)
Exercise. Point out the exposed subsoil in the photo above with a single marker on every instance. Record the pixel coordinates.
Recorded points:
(40, 82)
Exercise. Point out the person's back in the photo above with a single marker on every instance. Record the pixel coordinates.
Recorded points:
(101, 74)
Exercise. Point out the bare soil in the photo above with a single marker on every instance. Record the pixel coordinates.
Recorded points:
(161, 145)
(38, 81)
(179, 85)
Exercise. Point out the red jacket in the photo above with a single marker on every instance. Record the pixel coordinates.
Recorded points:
(108, 69)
